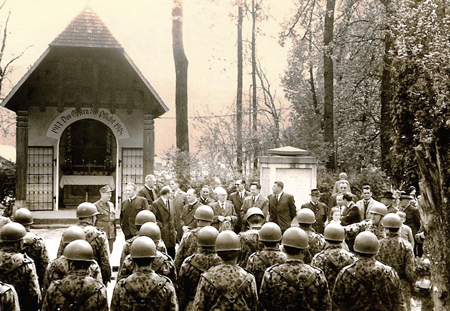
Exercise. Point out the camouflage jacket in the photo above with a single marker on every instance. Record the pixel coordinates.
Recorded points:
(316, 243)
(226, 287)
(190, 272)
(397, 253)
(144, 290)
(8, 298)
(18, 270)
(260, 261)
(294, 285)
(351, 231)
(160, 246)
(249, 244)
(58, 268)
(331, 261)
(162, 264)
(367, 285)
(188, 246)
(97, 239)
(76, 291)
(34, 246)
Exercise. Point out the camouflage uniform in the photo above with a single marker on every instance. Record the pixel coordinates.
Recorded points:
(351, 231)
(76, 291)
(58, 268)
(160, 246)
(260, 261)
(189, 275)
(316, 243)
(397, 253)
(226, 287)
(188, 246)
(367, 285)
(34, 246)
(249, 244)
(331, 261)
(145, 289)
(294, 285)
(162, 264)
(18, 270)
(97, 239)
(9, 301)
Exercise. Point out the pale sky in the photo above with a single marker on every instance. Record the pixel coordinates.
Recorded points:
(143, 27)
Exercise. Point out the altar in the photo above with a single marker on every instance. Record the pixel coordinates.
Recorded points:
(83, 188)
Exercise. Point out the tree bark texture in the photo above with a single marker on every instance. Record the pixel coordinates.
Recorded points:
(254, 98)
(239, 154)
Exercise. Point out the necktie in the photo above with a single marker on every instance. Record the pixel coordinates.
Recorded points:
(254, 199)
(168, 206)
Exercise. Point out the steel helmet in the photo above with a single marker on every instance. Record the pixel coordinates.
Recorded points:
(86, 209)
(79, 250)
(228, 241)
(392, 220)
(253, 211)
(151, 230)
(23, 216)
(270, 232)
(295, 237)
(12, 232)
(143, 247)
(207, 236)
(334, 232)
(366, 243)
(306, 216)
(73, 233)
(380, 209)
(144, 216)
(204, 212)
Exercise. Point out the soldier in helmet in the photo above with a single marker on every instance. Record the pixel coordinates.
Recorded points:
(306, 218)
(17, 268)
(294, 285)
(106, 218)
(142, 218)
(250, 243)
(367, 284)
(33, 245)
(86, 213)
(144, 289)
(226, 286)
(188, 246)
(58, 268)
(333, 258)
(377, 212)
(9, 301)
(162, 263)
(398, 254)
(194, 265)
(77, 290)
(258, 262)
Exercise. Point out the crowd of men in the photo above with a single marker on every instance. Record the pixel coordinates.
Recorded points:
(216, 251)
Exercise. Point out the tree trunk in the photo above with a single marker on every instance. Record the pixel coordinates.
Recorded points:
(329, 84)
(239, 91)
(181, 70)
(254, 98)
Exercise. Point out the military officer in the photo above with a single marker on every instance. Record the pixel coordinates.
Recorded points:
(17, 268)
(254, 219)
(194, 265)
(9, 301)
(306, 218)
(144, 289)
(270, 237)
(106, 217)
(226, 286)
(77, 290)
(294, 285)
(367, 284)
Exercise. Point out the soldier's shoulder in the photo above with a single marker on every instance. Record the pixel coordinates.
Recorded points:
(5, 287)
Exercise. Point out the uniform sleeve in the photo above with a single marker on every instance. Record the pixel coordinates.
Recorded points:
(264, 292)
(201, 299)
(181, 252)
(409, 264)
(60, 248)
(324, 293)
(47, 298)
(351, 231)
(10, 300)
(34, 293)
(172, 303)
(115, 301)
(103, 300)
(104, 259)
(338, 293)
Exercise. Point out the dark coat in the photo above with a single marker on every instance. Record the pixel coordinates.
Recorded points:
(165, 218)
(321, 212)
(282, 212)
(235, 198)
(128, 213)
(150, 196)
(350, 215)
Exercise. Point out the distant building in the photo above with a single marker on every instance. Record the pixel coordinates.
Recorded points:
(85, 118)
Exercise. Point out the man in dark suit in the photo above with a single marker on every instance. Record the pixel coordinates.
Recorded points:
(205, 197)
(129, 209)
(165, 213)
(281, 206)
(225, 217)
(350, 215)
(256, 199)
(149, 191)
(187, 219)
(179, 201)
(237, 198)
(319, 209)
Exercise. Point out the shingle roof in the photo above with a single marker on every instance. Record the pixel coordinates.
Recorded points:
(86, 30)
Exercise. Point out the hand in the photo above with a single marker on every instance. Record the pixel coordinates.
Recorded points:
(221, 218)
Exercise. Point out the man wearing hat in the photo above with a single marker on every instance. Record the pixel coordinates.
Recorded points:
(320, 210)
(106, 217)
(388, 200)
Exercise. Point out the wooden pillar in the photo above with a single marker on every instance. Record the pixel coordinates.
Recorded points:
(21, 155)
(149, 144)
